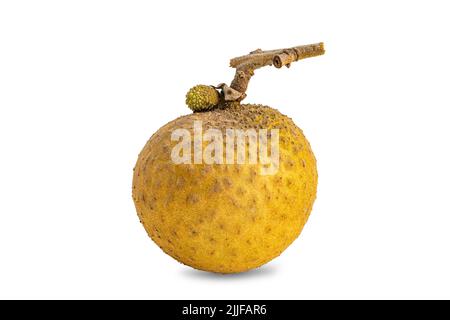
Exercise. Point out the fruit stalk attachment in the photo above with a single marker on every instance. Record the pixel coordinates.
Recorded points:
(203, 98)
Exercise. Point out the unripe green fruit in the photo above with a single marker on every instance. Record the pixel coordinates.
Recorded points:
(202, 98)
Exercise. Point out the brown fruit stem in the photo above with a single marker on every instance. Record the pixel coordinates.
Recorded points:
(246, 65)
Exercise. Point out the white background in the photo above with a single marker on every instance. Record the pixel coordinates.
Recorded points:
(83, 85)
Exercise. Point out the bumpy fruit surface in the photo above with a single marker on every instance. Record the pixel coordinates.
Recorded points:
(225, 218)
(202, 98)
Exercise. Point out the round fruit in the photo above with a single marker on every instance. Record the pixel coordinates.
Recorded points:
(225, 217)
(202, 98)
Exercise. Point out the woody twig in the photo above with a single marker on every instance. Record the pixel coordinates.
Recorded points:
(246, 65)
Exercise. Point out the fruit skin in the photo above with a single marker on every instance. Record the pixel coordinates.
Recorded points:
(225, 218)
(202, 98)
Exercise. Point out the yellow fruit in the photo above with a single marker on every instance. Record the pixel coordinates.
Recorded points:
(225, 218)
(202, 98)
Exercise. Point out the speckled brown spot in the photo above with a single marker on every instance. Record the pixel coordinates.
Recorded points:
(216, 188)
(192, 199)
